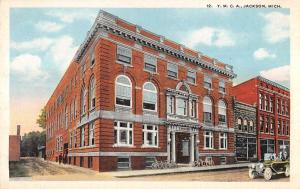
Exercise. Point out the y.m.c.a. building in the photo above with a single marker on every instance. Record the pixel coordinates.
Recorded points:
(131, 96)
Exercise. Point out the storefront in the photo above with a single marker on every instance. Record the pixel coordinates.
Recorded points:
(266, 146)
(245, 148)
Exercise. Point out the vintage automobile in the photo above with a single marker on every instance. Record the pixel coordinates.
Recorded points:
(271, 165)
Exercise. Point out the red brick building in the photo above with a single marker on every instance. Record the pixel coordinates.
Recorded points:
(130, 96)
(15, 146)
(272, 102)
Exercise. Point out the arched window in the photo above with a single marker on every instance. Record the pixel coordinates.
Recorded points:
(207, 109)
(240, 123)
(222, 112)
(149, 96)
(82, 101)
(245, 125)
(123, 91)
(92, 99)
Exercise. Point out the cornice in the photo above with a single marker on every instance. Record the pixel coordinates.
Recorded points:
(273, 83)
(107, 22)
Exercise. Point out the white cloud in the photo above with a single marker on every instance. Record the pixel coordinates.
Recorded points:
(209, 36)
(46, 26)
(40, 44)
(277, 27)
(28, 66)
(62, 51)
(69, 16)
(262, 53)
(277, 74)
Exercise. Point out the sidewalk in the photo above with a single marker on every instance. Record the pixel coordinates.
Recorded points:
(148, 172)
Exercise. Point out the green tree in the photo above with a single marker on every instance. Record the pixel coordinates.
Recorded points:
(31, 141)
(42, 119)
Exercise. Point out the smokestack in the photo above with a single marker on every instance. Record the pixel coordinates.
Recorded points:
(18, 130)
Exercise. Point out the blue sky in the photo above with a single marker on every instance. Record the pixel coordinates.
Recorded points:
(43, 41)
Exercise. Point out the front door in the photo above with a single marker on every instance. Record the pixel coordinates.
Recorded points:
(182, 147)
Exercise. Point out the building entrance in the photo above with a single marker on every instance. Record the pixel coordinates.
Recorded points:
(182, 147)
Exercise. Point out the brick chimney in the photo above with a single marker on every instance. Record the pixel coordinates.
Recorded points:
(18, 130)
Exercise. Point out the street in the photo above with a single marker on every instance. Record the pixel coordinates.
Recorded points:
(37, 169)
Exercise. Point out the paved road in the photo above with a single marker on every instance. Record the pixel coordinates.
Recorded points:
(238, 175)
(36, 169)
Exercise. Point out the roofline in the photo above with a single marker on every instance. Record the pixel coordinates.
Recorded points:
(272, 83)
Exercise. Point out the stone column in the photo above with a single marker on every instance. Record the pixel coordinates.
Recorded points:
(173, 147)
(192, 147)
(168, 145)
(197, 146)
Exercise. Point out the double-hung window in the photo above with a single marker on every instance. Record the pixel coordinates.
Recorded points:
(222, 86)
(207, 109)
(223, 140)
(170, 104)
(193, 108)
(123, 133)
(91, 134)
(222, 112)
(150, 135)
(82, 136)
(191, 77)
(82, 102)
(208, 140)
(71, 139)
(92, 99)
(207, 82)
(181, 106)
(150, 63)
(123, 91)
(172, 70)
(149, 96)
(124, 55)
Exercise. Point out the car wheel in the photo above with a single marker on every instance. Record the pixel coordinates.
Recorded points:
(268, 173)
(252, 174)
(287, 171)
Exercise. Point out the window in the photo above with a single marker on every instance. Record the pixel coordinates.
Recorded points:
(283, 107)
(207, 109)
(124, 55)
(266, 103)
(271, 104)
(267, 124)
(208, 140)
(191, 77)
(90, 162)
(272, 125)
(123, 133)
(71, 139)
(91, 134)
(150, 96)
(239, 124)
(245, 125)
(278, 107)
(222, 160)
(193, 108)
(181, 106)
(123, 91)
(223, 140)
(170, 104)
(92, 60)
(61, 143)
(75, 138)
(207, 82)
(66, 116)
(222, 86)
(92, 99)
(279, 126)
(75, 113)
(150, 135)
(82, 136)
(251, 128)
(260, 101)
(261, 123)
(172, 70)
(123, 163)
(283, 127)
(287, 108)
(150, 63)
(71, 111)
(82, 101)
(222, 112)
(287, 128)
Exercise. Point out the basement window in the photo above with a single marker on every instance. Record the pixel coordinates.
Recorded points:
(123, 162)
(223, 160)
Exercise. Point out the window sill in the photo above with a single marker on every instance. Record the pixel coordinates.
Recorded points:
(124, 64)
(154, 73)
(173, 78)
(148, 146)
(195, 84)
(122, 145)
